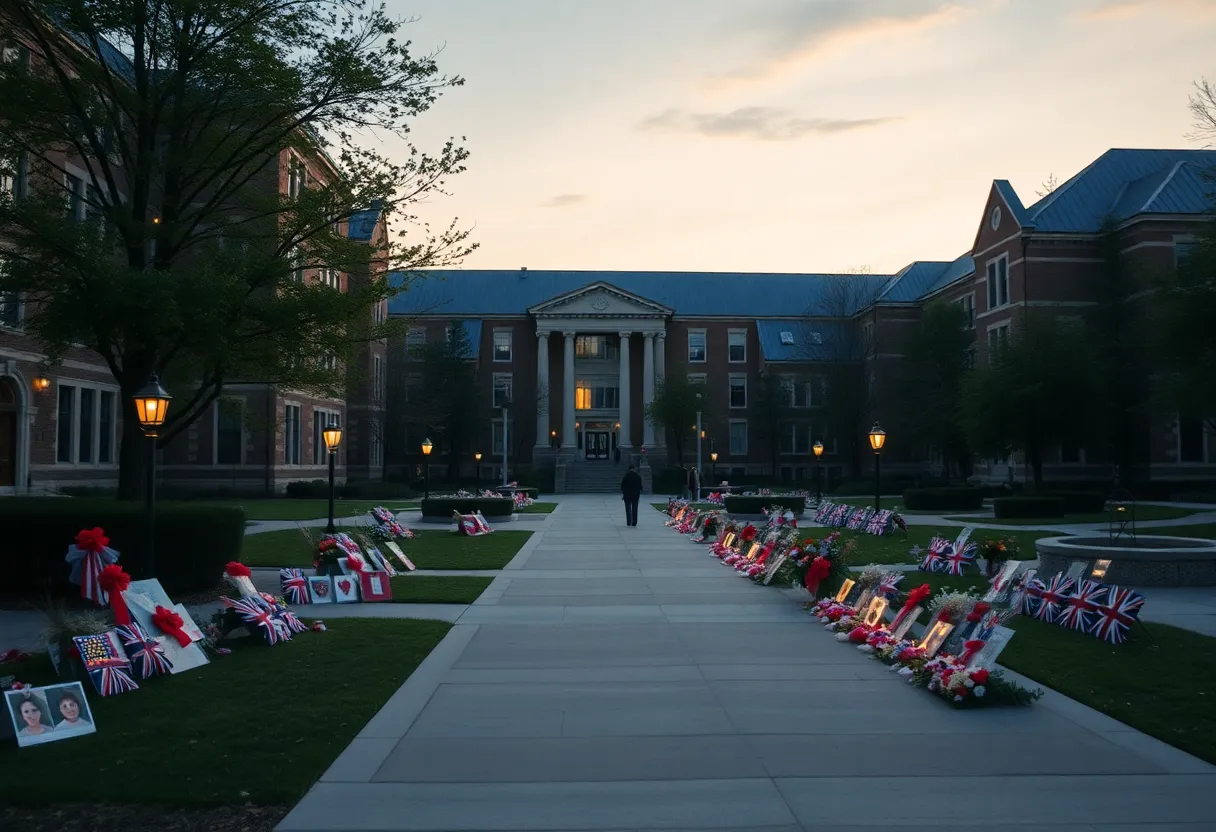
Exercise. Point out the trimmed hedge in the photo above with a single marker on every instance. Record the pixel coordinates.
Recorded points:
(355, 490)
(757, 505)
(193, 541)
(488, 506)
(1027, 507)
(1079, 502)
(944, 499)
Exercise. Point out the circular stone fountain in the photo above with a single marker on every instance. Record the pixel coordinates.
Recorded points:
(1149, 560)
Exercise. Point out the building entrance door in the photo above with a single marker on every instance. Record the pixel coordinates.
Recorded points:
(596, 444)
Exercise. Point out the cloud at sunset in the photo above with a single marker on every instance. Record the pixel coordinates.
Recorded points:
(764, 123)
(565, 200)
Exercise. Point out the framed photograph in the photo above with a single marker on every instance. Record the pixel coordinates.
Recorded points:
(729, 540)
(753, 552)
(903, 622)
(321, 589)
(346, 589)
(49, 714)
(1099, 569)
(935, 637)
(863, 600)
(774, 566)
(400, 555)
(876, 611)
(987, 655)
(375, 586)
(845, 589)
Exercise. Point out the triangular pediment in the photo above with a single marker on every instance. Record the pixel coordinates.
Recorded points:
(600, 300)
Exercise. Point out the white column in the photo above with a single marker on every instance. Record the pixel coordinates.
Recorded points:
(568, 396)
(543, 400)
(660, 371)
(648, 386)
(626, 426)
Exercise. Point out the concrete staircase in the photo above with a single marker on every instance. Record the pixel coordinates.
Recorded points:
(597, 477)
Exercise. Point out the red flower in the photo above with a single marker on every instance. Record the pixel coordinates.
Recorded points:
(113, 579)
(978, 611)
(980, 677)
(944, 615)
(237, 570)
(92, 540)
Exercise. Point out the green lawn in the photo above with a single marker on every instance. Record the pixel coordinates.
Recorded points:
(894, 548)
(432, 549)
(1163, 685)
(257, 726)
(313, 509)
(438, 589)
(1142, 513)
(537, 508)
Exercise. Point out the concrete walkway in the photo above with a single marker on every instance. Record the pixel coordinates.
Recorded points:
(619, 678)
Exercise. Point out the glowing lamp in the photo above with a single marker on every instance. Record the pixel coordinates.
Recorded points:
(333, 437)
(40, 384)
(878, 437)
(426, 447)
(151, 405)
(818, 449)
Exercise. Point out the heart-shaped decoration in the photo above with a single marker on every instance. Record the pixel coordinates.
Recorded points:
(321, 588)
(344, 586)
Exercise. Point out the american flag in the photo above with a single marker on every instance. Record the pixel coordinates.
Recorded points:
(1117, 614)
(1081, 606)
(111, 681)
(257, 613)
(100, 650)
(146, 653)
(1055, 592)
(294, 586)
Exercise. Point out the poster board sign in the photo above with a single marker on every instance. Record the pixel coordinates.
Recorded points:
(876, 611)
(400, 555)
(963, 537)
(776, 564)
(1002, 580)
(987, 655)
(143, 597)
(845, 589)
(935, 637)
(863, 600)
(903, 623)
(49, 714)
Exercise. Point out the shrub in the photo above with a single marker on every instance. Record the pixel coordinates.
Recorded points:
(193, 541)
(308, 490)
(1079, 502)
(373, 490)
(1027, 507)
(756, 505)
(962, 498)
(488, 506)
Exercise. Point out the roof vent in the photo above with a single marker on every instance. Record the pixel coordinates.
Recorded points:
(816, 337)
(787, 337)
(523, 268)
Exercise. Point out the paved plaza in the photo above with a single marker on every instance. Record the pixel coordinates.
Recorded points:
(616, 678)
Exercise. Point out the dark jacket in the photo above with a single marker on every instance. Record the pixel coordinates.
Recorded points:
(631, 485)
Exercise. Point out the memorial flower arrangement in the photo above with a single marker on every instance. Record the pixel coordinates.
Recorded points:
(386, 526)
(952, 606)
(997, 550)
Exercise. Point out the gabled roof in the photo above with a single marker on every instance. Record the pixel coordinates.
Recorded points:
(1016, 209)
(600, 289)
(693, 294)
(924, 277)
(800, 341)
(1122, 183)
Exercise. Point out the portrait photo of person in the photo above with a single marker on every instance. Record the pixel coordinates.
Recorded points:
(31, 716)
(69, 708)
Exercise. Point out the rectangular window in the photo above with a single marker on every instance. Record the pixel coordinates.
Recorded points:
(229, 432)
(795, 438)
(788, 430)
(502, 390)
(332, 278)
(74, 187)
(738, 391)
(63, 428)
(799, 390)
(321, 419)
(696, 378)
(105, 428)
(297, 265)
(377, 449)
(11, 311)
(696, 346)
(378, 382)
(501, 439)
(595, 347)
(738, 437)
(819, 391)
(967, 302)
(88, 420)
(1182, 250)
(415, 340)
(1190, 439)
(998, 336)
(998, 282)
(737, 346)
(502, 345)
(291, 434)
(588, 396)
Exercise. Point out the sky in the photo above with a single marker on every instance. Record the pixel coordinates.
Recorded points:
(783, 135)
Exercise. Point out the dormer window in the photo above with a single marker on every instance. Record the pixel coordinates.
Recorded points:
(787, 337)
(816, 337)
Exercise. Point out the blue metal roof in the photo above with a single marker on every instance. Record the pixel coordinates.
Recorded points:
(1112, 183)
(362, 224)
(1014, 202)
(913, 281)
(811, 340)
(695, 294)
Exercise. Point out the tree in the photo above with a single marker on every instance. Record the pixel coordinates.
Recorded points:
(445, 402)
(1035, 391)
(674, 408)
(1203, 111)
(844, 349)
(773, 408)
(936, 362)
(176, 253)
(1049, 185)
(1185, 342)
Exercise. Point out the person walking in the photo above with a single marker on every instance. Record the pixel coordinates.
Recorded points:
(631, 493)
(694, 482)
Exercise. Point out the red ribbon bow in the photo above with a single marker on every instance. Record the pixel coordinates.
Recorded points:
(114, 581)
(170, 623)
(916, 596)
(92, 540)
(237, 570)
(970, 648)
(978, 611)
(819, 569)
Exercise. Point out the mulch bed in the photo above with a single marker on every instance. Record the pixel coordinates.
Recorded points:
(84, 817)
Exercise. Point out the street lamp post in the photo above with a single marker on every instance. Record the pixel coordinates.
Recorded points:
(878, 438)
(713, 461)
(151, 405)
(426, 468)
(818, 449)
(333, 438)
(477, 457)
(700, 436)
